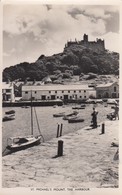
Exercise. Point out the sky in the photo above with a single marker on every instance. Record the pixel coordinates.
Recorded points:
(32, 30)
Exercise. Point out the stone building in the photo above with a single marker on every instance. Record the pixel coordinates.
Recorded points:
(97, 45)
(109, 90)
(53, 92)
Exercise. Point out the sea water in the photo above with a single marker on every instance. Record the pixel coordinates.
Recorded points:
(48, 124)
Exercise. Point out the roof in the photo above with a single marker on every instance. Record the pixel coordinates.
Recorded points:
(56, 87)
(106, 85)
(19, 83)
(7, 85)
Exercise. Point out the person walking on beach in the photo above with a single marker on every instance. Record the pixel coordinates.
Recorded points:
(94, 118)
(116, 112)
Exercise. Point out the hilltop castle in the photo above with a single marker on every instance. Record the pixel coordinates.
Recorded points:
(97, 45)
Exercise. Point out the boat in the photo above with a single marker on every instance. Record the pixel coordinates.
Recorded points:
(111, 101)
(75, 120)
(90, 101)
(59, 114)
(78, 107)
(22, 142)
(111, 116)
(68, 116)
(10, 112)
(8, 117)
(99, 101)
(83, 105)
(55, 106)
(73, 113)
(112, 107)
(25, 107)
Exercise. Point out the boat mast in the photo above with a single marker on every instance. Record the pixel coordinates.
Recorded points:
(31, 115)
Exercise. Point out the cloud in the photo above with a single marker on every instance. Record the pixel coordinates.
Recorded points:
(15, 16)
(9, 53)
(6, 54)
(112, 41)
(97, 13)
(34, 30)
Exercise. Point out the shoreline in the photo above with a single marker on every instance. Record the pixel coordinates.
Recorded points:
(87, 161)
(34, 103)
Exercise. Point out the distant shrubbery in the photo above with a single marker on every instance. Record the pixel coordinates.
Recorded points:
(75, 60)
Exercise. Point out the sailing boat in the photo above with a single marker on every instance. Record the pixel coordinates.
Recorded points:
(23, 142)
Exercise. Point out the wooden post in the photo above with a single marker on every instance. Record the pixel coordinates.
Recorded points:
(103, 128)
(60, 148)
(61, 129)
(58, 131)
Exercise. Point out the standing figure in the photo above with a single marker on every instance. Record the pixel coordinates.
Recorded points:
(94, 118)
(116, 113)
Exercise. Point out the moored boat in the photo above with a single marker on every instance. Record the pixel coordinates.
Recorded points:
(20, 143)
(23, 142)
(10, 112)
(25, 107)
(68, 116)
(76, 120)
(55, 106)
(78, 107)
(59, 114)
(8, 117)
(82, 106)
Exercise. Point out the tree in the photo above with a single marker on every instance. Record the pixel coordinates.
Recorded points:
(41, 57)
(37, 75)
(94, 68)
(70, 59)
(50, 67)
(76, 70)
(66, 75)
(86, 64)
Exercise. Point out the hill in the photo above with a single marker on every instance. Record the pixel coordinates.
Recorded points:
(76, 59)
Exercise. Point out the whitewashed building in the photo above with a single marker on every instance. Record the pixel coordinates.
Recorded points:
(53, 92)
(8, 92)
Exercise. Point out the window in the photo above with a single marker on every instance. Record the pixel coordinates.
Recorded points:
(26, 92)
(55, 91)
(79, 91)
(57, 96)
(114, 89)
(8, 90)
(84, 91)
(68, 91)
(74, 91)
(80, 96)
(49, 91)
(62, 91)
(70, 97)
(61, 97)
(84, 96)
(35, 91)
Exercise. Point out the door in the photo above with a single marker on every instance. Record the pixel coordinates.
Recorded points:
(43, 97)
(52, 97)
(65, 97)
(113, 95)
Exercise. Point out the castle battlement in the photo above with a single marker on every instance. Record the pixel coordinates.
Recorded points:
(97, 45)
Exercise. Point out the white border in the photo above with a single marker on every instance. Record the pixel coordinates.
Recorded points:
(4, 191)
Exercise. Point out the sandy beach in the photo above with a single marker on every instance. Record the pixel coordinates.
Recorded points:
(88, 161)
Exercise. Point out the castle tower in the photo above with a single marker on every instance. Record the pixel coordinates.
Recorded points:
(85, 38)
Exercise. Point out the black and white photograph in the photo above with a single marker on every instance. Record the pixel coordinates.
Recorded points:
(60, 96)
